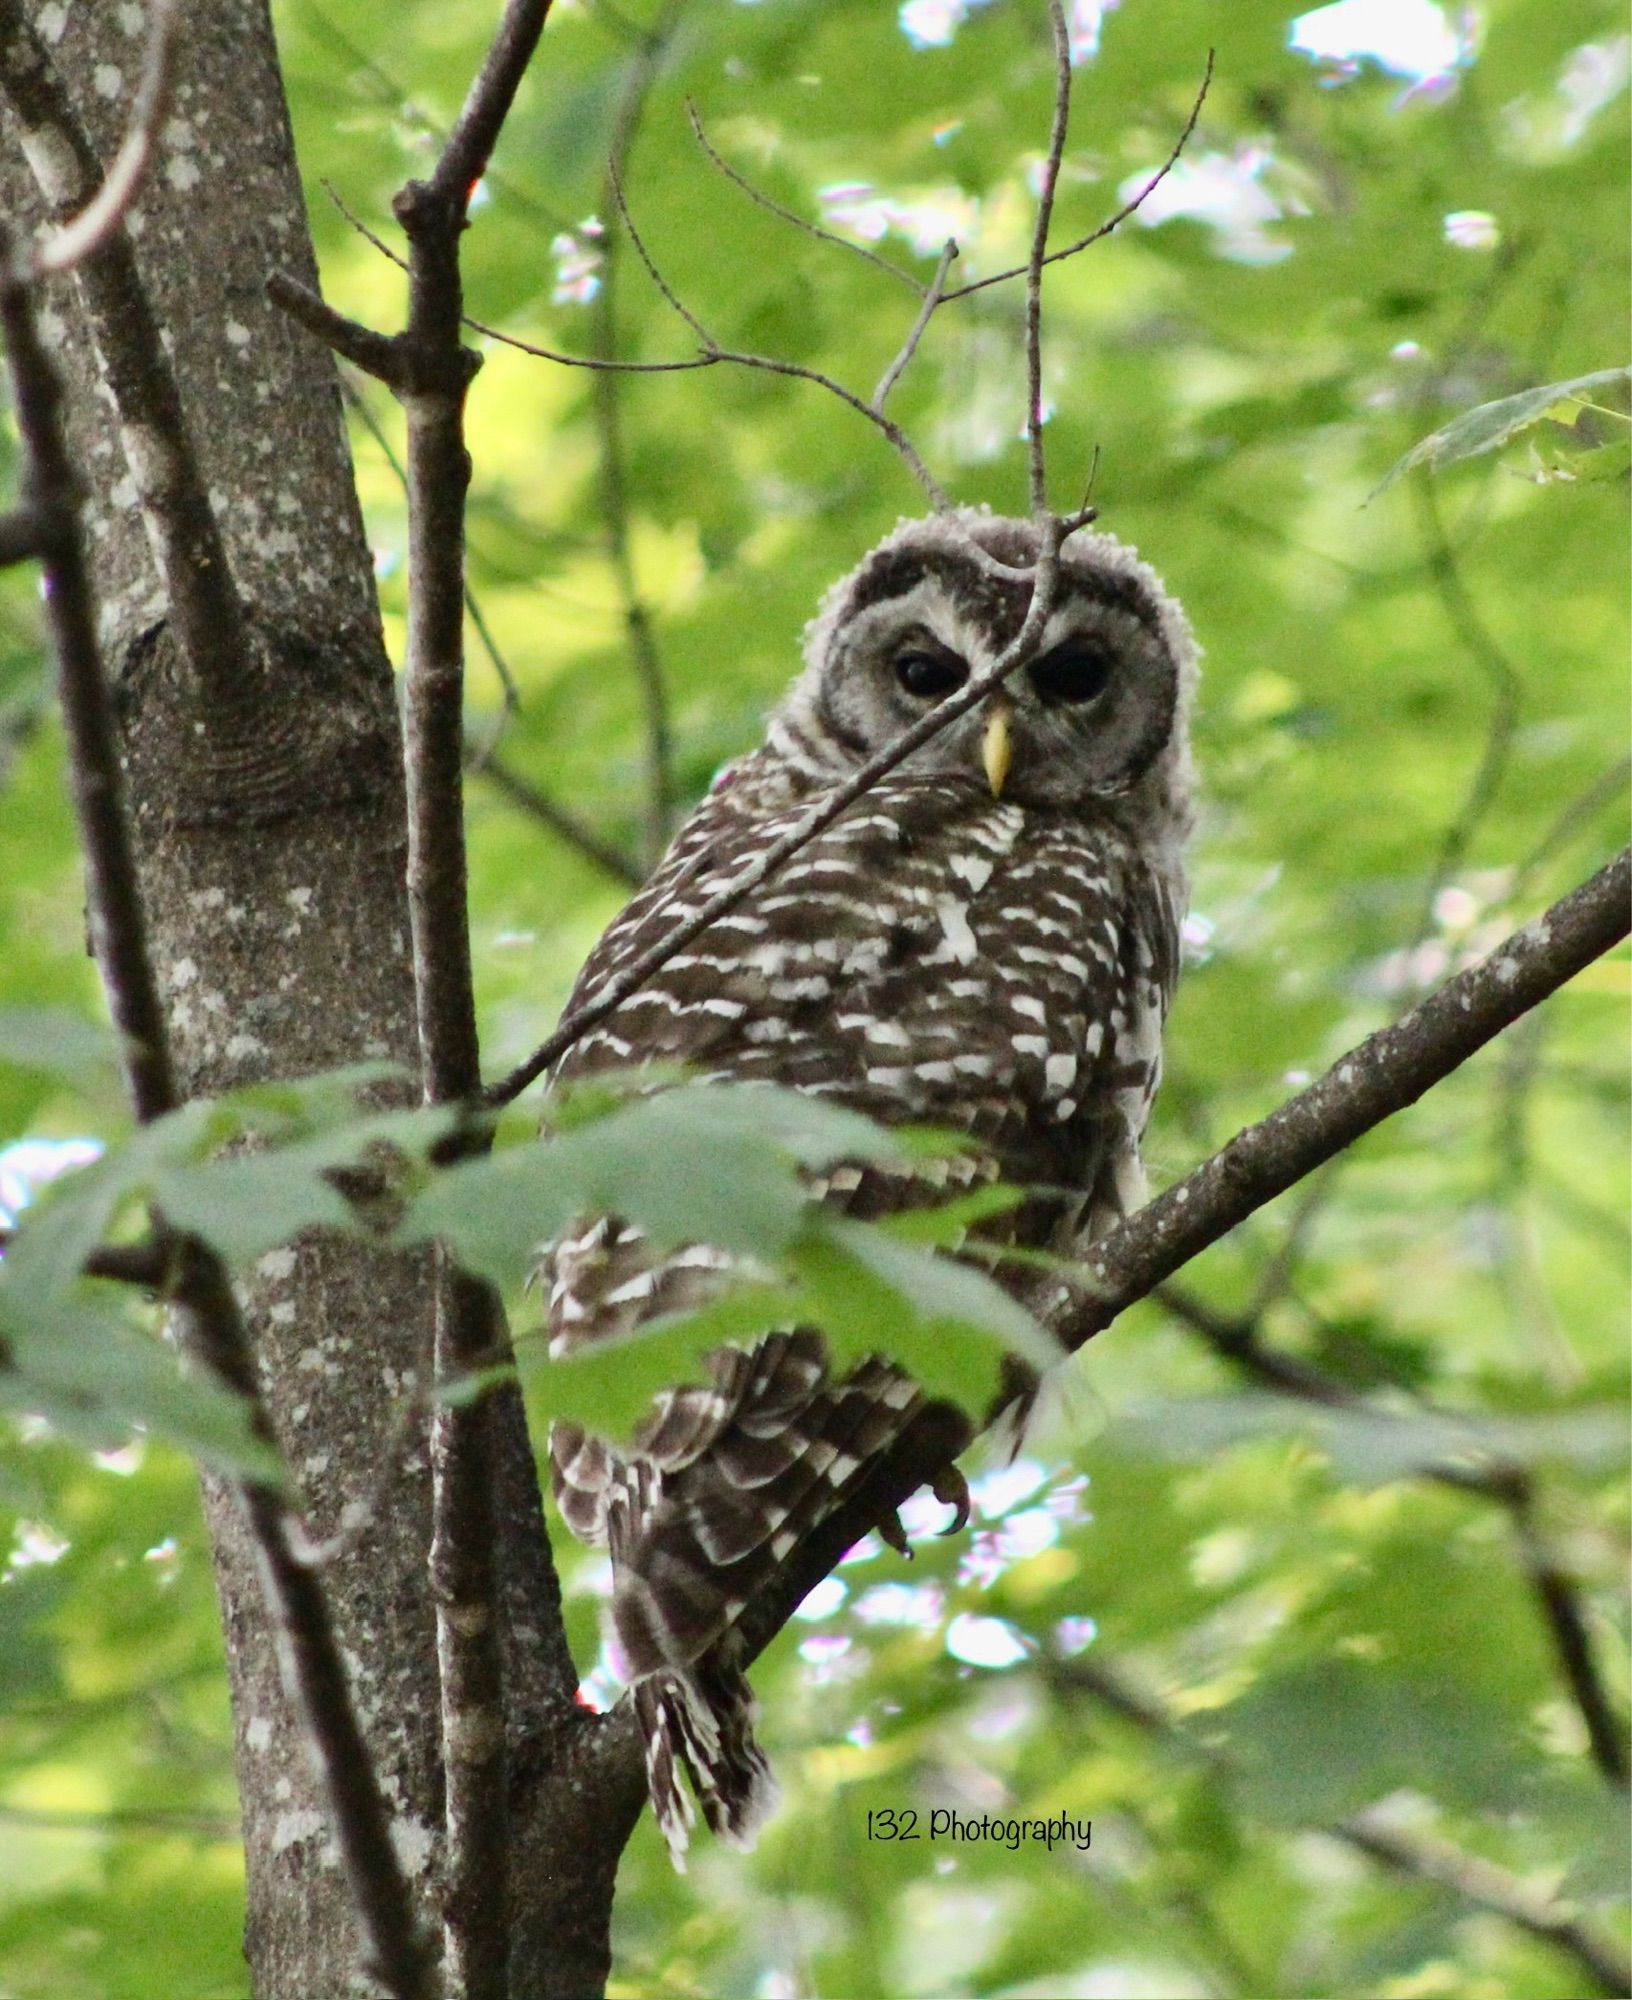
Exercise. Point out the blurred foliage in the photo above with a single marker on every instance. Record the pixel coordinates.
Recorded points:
(1412, 735)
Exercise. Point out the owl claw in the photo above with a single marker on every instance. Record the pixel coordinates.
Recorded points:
(891, 1531)
(952, 1490)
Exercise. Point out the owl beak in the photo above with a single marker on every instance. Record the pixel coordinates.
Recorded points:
(997, 746)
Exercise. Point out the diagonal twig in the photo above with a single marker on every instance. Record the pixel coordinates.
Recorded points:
(820, 816)
(182, 530)
(606, 388)
(791, 216)
(86, 234)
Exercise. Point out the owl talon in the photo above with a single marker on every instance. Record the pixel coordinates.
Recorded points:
(952, 1490)
(891, 1531)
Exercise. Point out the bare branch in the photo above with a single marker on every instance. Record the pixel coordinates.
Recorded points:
(198, 1286)
(117, 927)
(1386, 1072)
(1122, 214)
(791, 216)
(1486, 1886)
(713, 351)
(909, 347)
(566, 826)
(637, 620)
(185, 537)
(375, 353)
(1381, 1076)
(1561, 1606)
(820, 816)
(476, 131)
(437, 371)
(368, 235)
(593, 361)
(1039, 254)
(107, 208)
(615, 181)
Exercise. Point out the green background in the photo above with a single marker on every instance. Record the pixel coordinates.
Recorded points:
(1411, 736)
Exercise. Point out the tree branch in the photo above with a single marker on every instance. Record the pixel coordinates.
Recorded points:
(566, 826)
(1384, 1074)
(437, 370)
(1039, 254)
(1488, 1887)
(1127, 209)
(1373, 1832)
(89, 232)
(606, 388)
(212, 1326)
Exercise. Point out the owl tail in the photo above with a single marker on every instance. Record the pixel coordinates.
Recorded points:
(701, 1719)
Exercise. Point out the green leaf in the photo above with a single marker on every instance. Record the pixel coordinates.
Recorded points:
(704, 1163)
(53, 1040)
(1490, 425)
(74, 1361)
(1371, 1447)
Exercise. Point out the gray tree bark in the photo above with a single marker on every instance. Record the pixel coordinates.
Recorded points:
(268, 815)
(264, 769)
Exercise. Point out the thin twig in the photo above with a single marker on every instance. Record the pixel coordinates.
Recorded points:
(566, 826)
(1116, 221)
(643, 653)
(712, 350)
(595, 362)
(820, 816)
(1039, 255)
(1561, 1606)
(791, 216)
(909, 347)
(198, 1286)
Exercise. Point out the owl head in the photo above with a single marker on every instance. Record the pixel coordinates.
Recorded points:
(1097, 715)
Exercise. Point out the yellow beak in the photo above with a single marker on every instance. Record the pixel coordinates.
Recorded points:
(997, 747)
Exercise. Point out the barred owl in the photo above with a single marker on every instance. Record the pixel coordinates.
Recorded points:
(986, 940)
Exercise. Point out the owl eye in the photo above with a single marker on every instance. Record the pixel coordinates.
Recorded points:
(929, 676)
(1074, 673)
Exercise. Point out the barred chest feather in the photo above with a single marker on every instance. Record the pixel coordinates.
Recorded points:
(935, 956)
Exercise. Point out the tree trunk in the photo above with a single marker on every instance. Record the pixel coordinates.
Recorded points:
(264, 768)
(268, 815)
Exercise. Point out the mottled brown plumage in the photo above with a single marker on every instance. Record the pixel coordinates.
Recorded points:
(998, 964)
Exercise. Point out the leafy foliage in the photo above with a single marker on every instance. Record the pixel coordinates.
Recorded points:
(1411, 734)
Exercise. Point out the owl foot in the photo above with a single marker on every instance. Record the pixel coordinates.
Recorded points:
(952, 1490)
(891, 1531)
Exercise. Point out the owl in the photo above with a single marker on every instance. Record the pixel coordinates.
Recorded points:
(986, 940)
